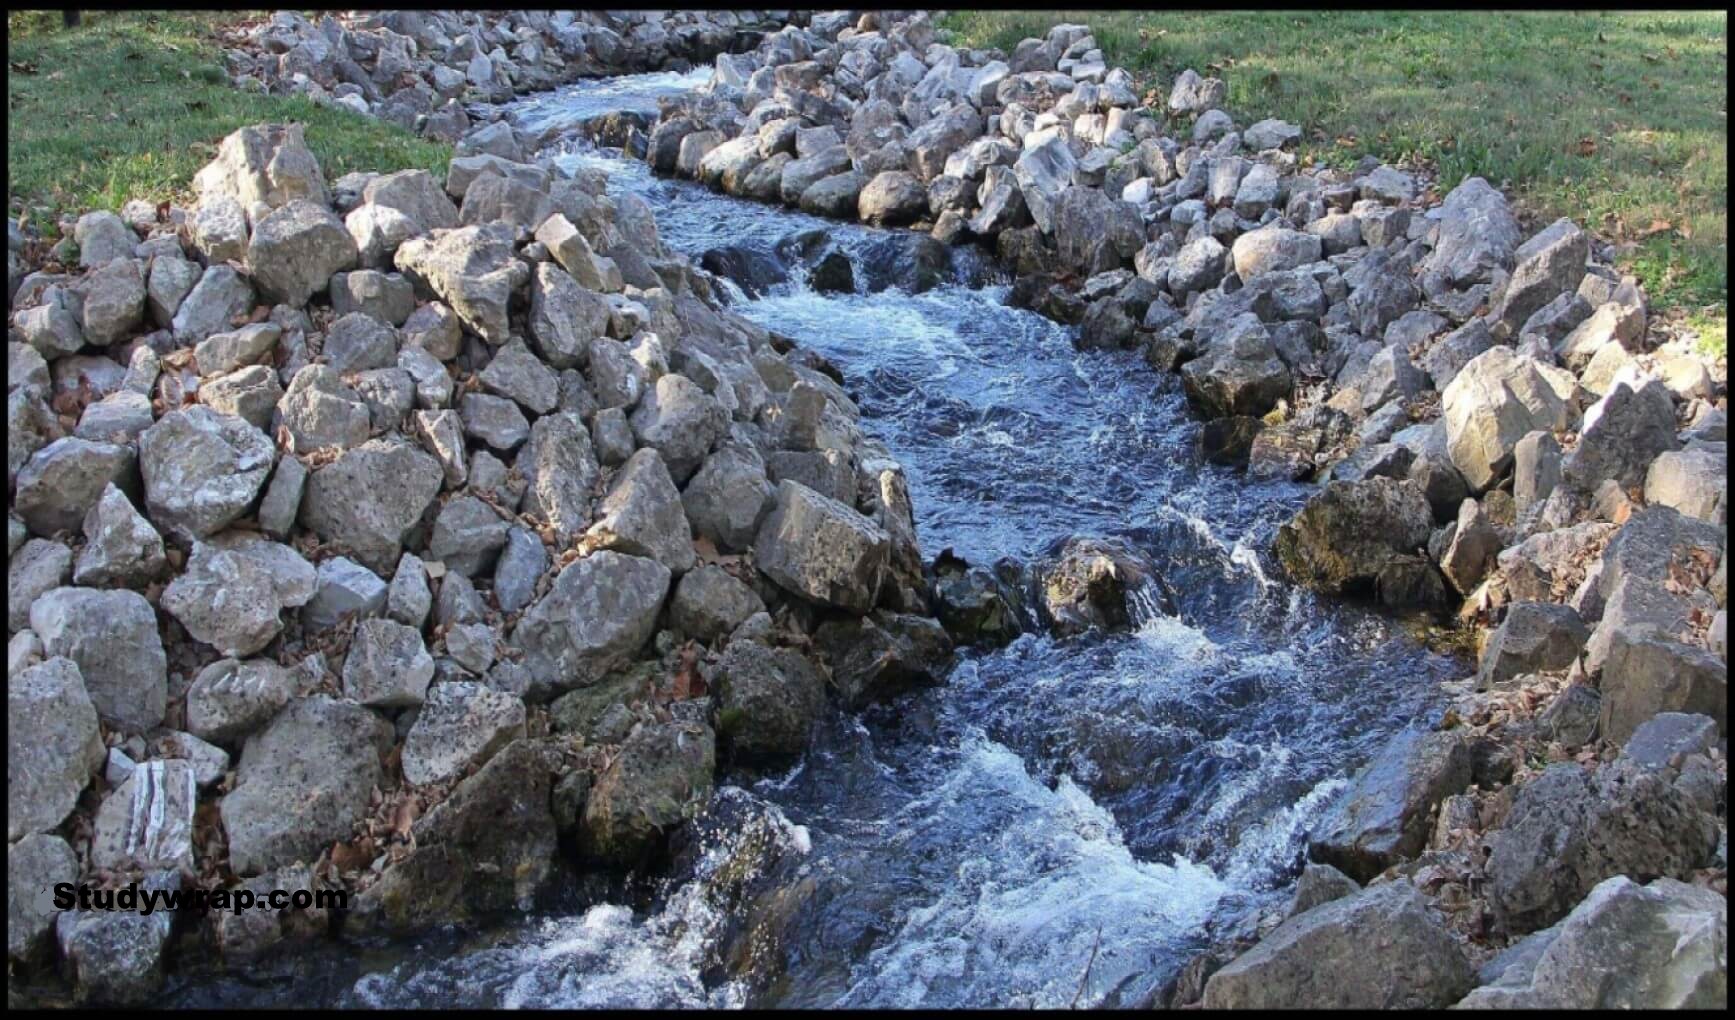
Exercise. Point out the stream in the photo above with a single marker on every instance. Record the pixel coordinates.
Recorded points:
(1063, 822)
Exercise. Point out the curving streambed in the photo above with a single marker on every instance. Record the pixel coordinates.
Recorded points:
(1064, 821)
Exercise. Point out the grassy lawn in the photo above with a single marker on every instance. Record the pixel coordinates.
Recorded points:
(132, 104)
(1617, 120)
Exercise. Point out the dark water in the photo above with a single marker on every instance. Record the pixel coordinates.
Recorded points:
(1063, 820)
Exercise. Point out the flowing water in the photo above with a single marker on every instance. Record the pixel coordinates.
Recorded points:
(1062, 822)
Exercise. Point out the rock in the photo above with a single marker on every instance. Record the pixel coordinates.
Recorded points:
(681, 421)
(1384, 817)
(472, 269)
(295, 249)
(497, 829)
(1240, 374)
(1567, 831)
(35, 864)
(516, 373)
(595, 618)
(565, 317)
(121, 548)
(1273, 249)
(59, 484)
(387, 297)
(345, 505)
(468, 535)
(1475, 543)
(496, 421)
(875, 658)
(408, 600)
(53, 746)
(226, 600)
(1643, 676)
(522, 563)
(822, 550)
(345, 588)
(320, 410)
(1535, 637)
(358, 342)
(1626, 946)
(616, 378)
(114, 302)
(1352, 531)
(114, 957)
(1694, 481)
(1043, 171)
(728, 497)
(1547, 265)
(1319, 883)
(112, 636)
(212, 305)
(1620, 436)
(101, 237)
(1478, 234)
(1087, 583)
(1271, 133)
(1492, 403)
(147, 822)
(230, 698)
(768, 699)
(561, 470)
(1192, 94)
(661, 777)
(709, 603)
(267, 163)
(39, 566)
(252, 344)
(202, 470)
(303, 782)
(461, 725)
(642, 515)
(891, 198)
(837, 196)
(1380, 948)
(387, 665)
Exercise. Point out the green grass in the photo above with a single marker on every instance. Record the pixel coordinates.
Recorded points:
(132, 104)
(1616, 120)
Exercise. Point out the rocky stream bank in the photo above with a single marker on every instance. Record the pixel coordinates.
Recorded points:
(451, 540)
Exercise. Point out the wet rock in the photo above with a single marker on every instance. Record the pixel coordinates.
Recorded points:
(462, 724)
(595, 618)
(1089, 583)
(345, 505)
(1351, 531)
(303, 782)
(387, 665)
(497, 829)
(768, 700)
(114, 957)
(231, 698)
(974, 604)
(1625, 946)
(661, 777)
(875, 658)
(1327, 957)
(821, 550)
(1384, 817)
(112, 636)
(837, 196)
(1241, 373)
(53, 746)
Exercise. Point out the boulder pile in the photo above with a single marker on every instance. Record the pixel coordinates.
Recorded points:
(414, 537)
(419, 69)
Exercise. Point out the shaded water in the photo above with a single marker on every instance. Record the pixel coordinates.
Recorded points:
(1065, 820)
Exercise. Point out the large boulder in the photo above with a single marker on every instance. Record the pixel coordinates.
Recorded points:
(1535, 637)
(821, 550)
(1273, 249)
(595, 618)
(661, 777)
(891, 198)
(267, 163)
(303, 782)
(1380, 948)
(1043, 171)
(727, 498)
(1643, 675)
